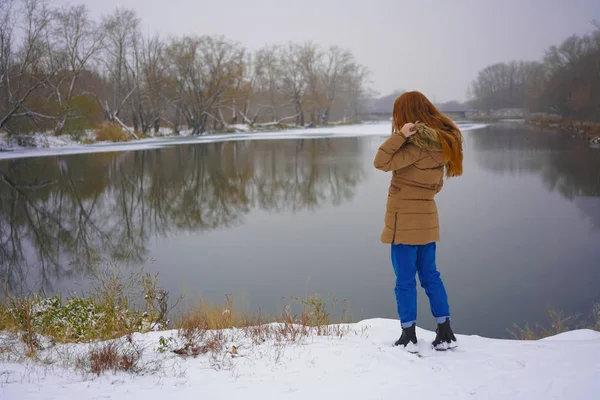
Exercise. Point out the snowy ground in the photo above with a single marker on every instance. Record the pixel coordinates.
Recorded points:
(64, 145)
(359, 366)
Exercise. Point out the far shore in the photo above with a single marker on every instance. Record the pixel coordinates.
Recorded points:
(588, 130)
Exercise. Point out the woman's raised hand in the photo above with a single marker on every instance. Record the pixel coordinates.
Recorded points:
(407, 129)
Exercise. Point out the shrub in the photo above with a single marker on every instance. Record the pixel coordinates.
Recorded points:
(78, 319)
(111, 132)
(88, 112)
(21, 318)
(105, 313)
(112, 356)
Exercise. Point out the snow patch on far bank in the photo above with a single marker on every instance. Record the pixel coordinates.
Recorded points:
(61, 146)
(38, 140)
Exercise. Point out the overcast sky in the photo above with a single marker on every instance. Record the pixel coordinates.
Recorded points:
(435, 46)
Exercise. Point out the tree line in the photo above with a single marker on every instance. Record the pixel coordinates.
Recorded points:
(566, 82)
(64, 72)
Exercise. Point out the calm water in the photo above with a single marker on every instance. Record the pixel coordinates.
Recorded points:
(269, 220)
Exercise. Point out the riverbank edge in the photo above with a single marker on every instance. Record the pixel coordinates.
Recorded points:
(588, 130)
(211, 338)
(118, 306)
(126, 322)
(48, 140)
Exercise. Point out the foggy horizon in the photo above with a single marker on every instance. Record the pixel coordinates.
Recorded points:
(439, 56)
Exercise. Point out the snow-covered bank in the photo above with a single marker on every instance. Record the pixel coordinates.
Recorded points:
(358, 366)
(36, 141)
(58, 146)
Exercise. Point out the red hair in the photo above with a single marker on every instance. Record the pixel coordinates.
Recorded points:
(413, 107)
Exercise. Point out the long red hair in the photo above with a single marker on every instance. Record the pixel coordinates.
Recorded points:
(413, 107)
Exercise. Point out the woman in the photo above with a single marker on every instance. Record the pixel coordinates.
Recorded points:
(423, 144)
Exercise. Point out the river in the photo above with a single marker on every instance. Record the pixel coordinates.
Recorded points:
(268, 220)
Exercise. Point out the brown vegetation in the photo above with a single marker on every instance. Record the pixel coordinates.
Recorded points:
(111, 356)
(587, 129)
(111, 132)
(557, 323)
(216, 331)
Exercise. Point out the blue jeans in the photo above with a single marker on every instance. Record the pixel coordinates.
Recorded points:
(407, 261)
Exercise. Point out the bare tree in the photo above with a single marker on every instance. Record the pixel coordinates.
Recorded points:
(354, 90)
(79, 39)
(293, 79)
(504, 85)
(269, 79)
(254, 89)
(337, 65)
(310, 58)
(121, 31)
(154, 100)
(27, 70)
(7, 23)
(573, 81)
(204, 68)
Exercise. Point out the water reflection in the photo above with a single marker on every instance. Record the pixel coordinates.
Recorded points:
(565, 164)
(58, 215)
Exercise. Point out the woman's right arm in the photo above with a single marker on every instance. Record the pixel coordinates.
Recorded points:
(391, 156)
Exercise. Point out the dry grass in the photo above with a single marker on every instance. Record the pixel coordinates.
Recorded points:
(20, 319)
(216, 330)
(111, 356)
(557, 323)
(314, 312)
(111, 132)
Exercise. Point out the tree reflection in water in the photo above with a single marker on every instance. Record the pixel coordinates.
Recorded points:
(60, 215)
(565, 164)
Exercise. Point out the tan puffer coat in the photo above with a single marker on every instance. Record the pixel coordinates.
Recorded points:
(417, 166)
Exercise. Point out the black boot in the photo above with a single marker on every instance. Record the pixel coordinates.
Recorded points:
(409, 335)
(444, 338)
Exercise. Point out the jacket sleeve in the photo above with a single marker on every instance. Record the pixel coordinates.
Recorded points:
(391, 156)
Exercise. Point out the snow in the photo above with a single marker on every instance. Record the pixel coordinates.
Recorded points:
(361, 365)
(38, 140)
(62, 146)
(582, 334)
(513, 120)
